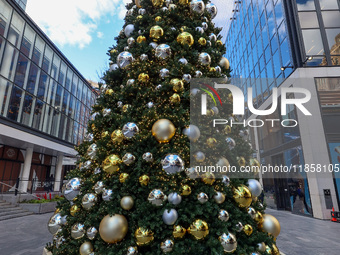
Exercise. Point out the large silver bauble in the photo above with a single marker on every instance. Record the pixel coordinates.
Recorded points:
(187, 78)
(231, 143)
(174, 198)
(124, 59)
(200, 30)
(254, 187)
(92, 150)
(163, 51)
(77, 231)
(128, 30)
(132, 251)
(192, 132)
(192, 173)
(226, 180)
(223, 215)
(212, 9)
(107, 194)
(88, 201)
(199, 156)
(172, 164)
(114, 67)
(157, 197)
(229, 242)
(147, 156)
(197, 6)
(219, 197)
(86, 165)
(130, 41)
(261, 247)
(251, 211)
(72, 188)
(170, 217)
(204, 58)
(54, 224)
(143, 57)
(98, 187)
(198, 74)
(128, 159)
(167, 246)
(202, 198)
(183, 61)
(130, 129)
(163, 73)
(91, 233)
(153, 45)
(271, 225)
(212, 37)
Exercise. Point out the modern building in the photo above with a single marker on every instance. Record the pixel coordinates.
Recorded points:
(22, 3)
(292, 43)
(44, 105)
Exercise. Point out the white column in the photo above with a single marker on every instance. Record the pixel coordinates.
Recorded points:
(58, 170)
(26, 171)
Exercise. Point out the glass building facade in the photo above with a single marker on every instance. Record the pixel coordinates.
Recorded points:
(22, 3)
(39, 88)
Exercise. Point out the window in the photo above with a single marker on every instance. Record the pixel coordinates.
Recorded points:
(32, 79)
(5, 92)
(26, 117)
(9, 62)
(58, 96)
(38, 114)
(55, 123)
(313, 42)
(62, 73)
(5, 14)
(47, 59)
(51, 92)
(43, 85)
(331, 18)
(21, 71)
(55, 67)
(65, 102)
(38, 50)
(27, 41)
(306, 5)
(308, 20)
(47, 119)
(329, 4)
(333, 36)
(15, 30)
(14, 103)
(74, 84)
(68, 79)
(285, 53)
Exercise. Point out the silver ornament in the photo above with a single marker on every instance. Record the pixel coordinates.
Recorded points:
(164, 9)
(198, 74)
(202, 198)
(132, 251)
(103, 88)
(218, 69)
(130, 82)
(77, 231)
(72, 188)
(168, 2)
(215, 110)
(209, 43)
(192, 173)
(156, 197)
(128, 159)
(126, 48)
(64, 220)
(172, 164)
(163, 51)
(130, 129)
(205, 26)
(204, 58)
(223, 215)
(147, 156)
(91, 233)
(124, 59)
(107, 194)
(54, 224)
(141, 11)
(119, 104)
(88, 201)
(199, 156)
(97, 170)
(197, 6)
(194, 92)
(150, 105)
(219, 197)
(231, 143)
(251, 211)
(183, 61)
(60, 240)
(92, 150)
(226, 180)
(89, 137)
(174, 198)
(94, 115)
(129, 12)
(229, 242)
(186, 78)
(200, 30)
(163, 73)
(140, 32)
(213, 37)
(143, 57)
(159, 86)
(212, 9)
(98, 187)
(170, 217)
(172, 7)
(239, 227)
(128, 30)
(86, 165)
(153, 45)
(114, 67)
(254, 187)
(167, 246)
(130, 41)
(173, 29)
(261, 247)
(192, 132)
(106, 112)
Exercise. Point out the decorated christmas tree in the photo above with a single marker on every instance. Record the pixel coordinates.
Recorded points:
(134, 191)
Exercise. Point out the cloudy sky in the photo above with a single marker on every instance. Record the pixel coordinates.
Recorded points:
(85, 29)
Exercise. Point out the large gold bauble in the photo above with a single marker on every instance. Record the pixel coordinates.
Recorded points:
(127, 203)
(211, 142)
(185, 38)
(109, 92)
(227, 129)
(242, 161)
(144, 180)
(242, 196)
(156, 32)
(126, 107)
(104, 134)
(219, 43)
(208, 178)
(143, 77)
(158, 18)
(198, 229)
(141, 39)
(275, 250)
(271, 225)
(123, 177)
(175, 98)
(143, 236)
(179, 232)
(111, 164)
(248, 229)
(157, 3)
(86, 248)
(117, 136)
(74, 209)
(163, 130)
(177, 85)
(186, 190)
(112, 229)
(202, 41)
(258, 217)
(224, 63)
(183, 2)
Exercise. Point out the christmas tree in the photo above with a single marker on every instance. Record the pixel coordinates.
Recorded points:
(134, 191)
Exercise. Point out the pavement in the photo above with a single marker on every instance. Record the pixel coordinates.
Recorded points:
(300, 235)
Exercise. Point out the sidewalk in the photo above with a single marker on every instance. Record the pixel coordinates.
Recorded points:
(302, 235)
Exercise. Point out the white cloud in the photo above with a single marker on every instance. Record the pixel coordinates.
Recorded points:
(100, 35)
(73, 22)
(225, 12)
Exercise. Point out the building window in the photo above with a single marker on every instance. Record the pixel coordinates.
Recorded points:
(38, 51)
(9, 62)
(5, 92)
(313, 42)
(38, 114)
(26, 117)
(32, 78)
(14, 104)
(27, 41)
(15, 30)
(5, 15)
(21, 71)
(43, 85)
(331, 18)
(308, 20)
(329, 4)
(305, 5)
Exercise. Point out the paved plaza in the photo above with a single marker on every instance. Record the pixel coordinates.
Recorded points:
(299, 235)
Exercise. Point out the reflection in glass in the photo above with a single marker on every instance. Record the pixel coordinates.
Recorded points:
(331, 18)
(9, 62)
(68, 80)
(58, 96)
(32, 78)
(14, 33)
(27, 41)
(14, 103)
(313, 42)
(26, 117)
(62, 73)
(305, 5)
(48, 119)
(333, 36)
(55, 123)
(21, 71)
(43, 85)
(38, 50)
(5, 15)
(329, 4)
(5, 92)
(38, 114)
(65, 102)
(308, 20)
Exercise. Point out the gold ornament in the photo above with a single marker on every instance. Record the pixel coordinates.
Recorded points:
(258, 217)
(219, 42)
(86, 248)
(127, 203)
(123, 177)
(117, 136)
(109, 92)
(143, 77)
(198, 229)
(242, 196)
(157, 3)
(186, 190)
(208, 178)
(241, 161)
(156, 32)
(138, 3)
(105, 134)
(271, 225)
(185, 38)
(144, 180)
(143, 236)
(112, 229)
(141, 39)
(139, 17)
(248, 229)
(227, 130)
(113, 51)
(177, 85)
(224, 63)
(74, 209)
(184, 28)
(202, 41)
(57, 211)
(179, 232)
(212, 69)
(163, 130)
(211, 142)
(126, 107)
(111, 164)
(268, 250)
(275, 250)
(158, 18)
(183, 2)
(175, 98)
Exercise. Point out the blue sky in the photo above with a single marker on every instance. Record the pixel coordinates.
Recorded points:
(85, 29)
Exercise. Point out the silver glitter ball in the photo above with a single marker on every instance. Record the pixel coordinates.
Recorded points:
(202, 198)
(212, 9)
(103, 88)
(228, 242)
(124, 59)
(213, 37)
(143, 57)
(174, 198)
(130, 129)
(158, 87)
(119, 104)
(157, 197)
(205, 25)
(251, 211)
(54, 224)
(226, 180)
(153, 45)
(77, 231)
(172, 164)
(187, 78)
(147, 156)
(91, 233)
(89, 137)
(107, 194)
(132, 251)
(170, 217)
(126, 48)
(72, 188)
(164, 9)
(150, 105)
(192, 173)
(200, 30)
(204, 58)
(88, 201)
(231, 143)
(239, 227)
(197, 6)
(141, 11)
(106, 112)
(163, 51)
(167, 246)
(130, 41)
(128, 159)
(198, 74)
(218, 69)
(97, 171)
(183, 61)
(223, 215)
(86, 165)
(130, 82)
(192, 132)
(92, 150)
(163, 73)
(98, 187)
(114, 67)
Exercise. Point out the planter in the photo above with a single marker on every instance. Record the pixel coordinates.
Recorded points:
(39, 208)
